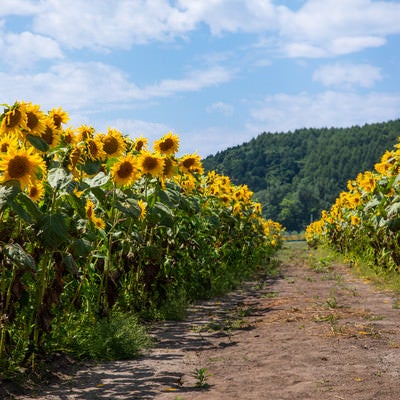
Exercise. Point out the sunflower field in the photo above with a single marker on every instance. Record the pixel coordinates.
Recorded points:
(95, 224)
(364, 221)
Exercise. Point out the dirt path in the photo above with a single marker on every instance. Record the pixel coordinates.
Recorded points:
(312, 333)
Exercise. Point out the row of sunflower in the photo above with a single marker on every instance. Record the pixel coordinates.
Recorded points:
(364, 221)
(91, 222)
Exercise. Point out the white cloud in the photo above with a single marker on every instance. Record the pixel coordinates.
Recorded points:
(19, 7)
(22, 50)
(334, 27)
(317, 29)
(283, 112)
(196, 80)
(348, 75)
(221, 107)
(347, 45)
(232, 15)
(71, 85)
(94, 84)
(108, 24)
(123, 23)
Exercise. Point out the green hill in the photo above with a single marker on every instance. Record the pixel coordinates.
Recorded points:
(297, 174)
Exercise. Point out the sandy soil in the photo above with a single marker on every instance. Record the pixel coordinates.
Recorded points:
(305, 335)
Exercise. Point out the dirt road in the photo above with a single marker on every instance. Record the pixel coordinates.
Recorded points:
(313, 332)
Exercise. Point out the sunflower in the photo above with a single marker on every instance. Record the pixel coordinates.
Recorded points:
(140, 143)
(91, 215)
(113, 143)
(143, 207)
(151, 164)
(36, 191)
(59, 116)
(170, 167)
(124, 172)
(22, 165)
(94, 149)
(99, 223)
(14, 120)
(51, 134)
(7, 142)
(168, 144)
(69, 137)
(75, 157)
(191, 163)
(35, 119)
(85, 132)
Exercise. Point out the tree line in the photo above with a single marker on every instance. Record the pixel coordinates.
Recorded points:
(295, 175)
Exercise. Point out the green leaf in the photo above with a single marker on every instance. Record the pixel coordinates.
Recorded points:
(81, 247)
(98, 180)
(393, 209)
(170, 197)
(59, 178)
(91, 167)
(129, 207)
(162, 213)
(7, 194)
(26, 208)
(52, 230)
(19, 256)
(100, 194)
(38, 142)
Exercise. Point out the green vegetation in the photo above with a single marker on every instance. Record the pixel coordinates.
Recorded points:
(97, 231)
(297, 174)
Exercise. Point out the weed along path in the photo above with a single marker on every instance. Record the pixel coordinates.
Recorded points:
(313, 332)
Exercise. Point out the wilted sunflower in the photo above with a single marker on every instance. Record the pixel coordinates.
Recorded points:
(143, 207)
(35, 119)
(124, 172)
(36, 191)
(85, 132)
(94, 149)
(59, 116)
(14, 121)
(170, 167)
(191, 163)
(140, 143)
(22, 165)
(113, 143)
(152, 164)
(91, 215)
(168, 144)
(51, 135)
(69, 137)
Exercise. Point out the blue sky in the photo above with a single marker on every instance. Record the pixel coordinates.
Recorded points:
(215, 72)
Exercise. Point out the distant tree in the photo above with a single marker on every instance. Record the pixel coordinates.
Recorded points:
(295, 175)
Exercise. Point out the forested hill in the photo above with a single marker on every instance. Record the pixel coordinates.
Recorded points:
(297, 174)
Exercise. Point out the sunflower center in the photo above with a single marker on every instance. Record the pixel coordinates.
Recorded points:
(33, 191)
(4, 147)
(125, 170)
(57, 120)
(48, 135)
(110, 145)
(139, 145)
(93, 149)
(18, 167)
(13, 118)
(33, 120)
(189, 162)
(166, 144)
(150, 163)
(167, 167)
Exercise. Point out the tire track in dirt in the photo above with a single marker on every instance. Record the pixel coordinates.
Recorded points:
(311, 333)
